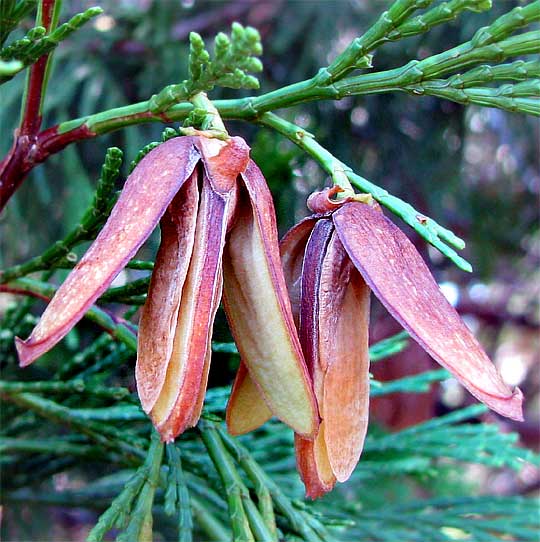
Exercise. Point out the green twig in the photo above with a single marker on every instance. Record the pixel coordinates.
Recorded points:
(442, 13)
(104, 434)
(11, 14)
(133, 288)
(93, 218)
(520, 97)
(139, 527)
(256, 475)
(70, 387)
(246, 522)
(388, 347)
(119, 506)
(432, 232)
(98, 348)
(55, 446)
(100, 317)
(99, 370)
(519, 70)
(30, 48)
(283, 504)
(207, 522)
(490, 44)
(397, 14)
(142, 265)
(419, 383)
(182, 499)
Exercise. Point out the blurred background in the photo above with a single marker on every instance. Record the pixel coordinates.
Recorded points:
(474, 170)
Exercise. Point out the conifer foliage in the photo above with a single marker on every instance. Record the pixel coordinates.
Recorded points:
(73, 434)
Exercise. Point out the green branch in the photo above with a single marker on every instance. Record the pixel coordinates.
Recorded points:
(70, 387)
(296, 518)
(120, 506)
(520, 70)
(103, 434)
(518, 98)
(38, 42)
(257, 478)
(177, 495)
(379, 32)
(73, 366)
(55, 446)
(418, 383)
(11, 15)
(433, 233)
(207, 522)
(442, 13)
(489, 44)
(139, 527)
(246, 521)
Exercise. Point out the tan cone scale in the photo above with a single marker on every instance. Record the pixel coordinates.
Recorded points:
(260, 317)
(398, 276)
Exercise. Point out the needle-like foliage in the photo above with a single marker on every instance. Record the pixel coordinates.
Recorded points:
(75, 412)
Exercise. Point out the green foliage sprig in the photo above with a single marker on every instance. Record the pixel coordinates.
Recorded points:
(438, 236)
(12, 12)
(493, 44)
(94, 217)
(37, 42)
(234, 58)
(486, 519)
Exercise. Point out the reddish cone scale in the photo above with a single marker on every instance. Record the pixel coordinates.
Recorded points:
(331, 261)
(218, 232)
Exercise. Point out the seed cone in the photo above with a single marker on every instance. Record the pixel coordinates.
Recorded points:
(332, 260)
(218, 232)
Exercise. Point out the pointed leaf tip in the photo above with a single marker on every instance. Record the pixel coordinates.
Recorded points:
(26, 354)
(399, 277)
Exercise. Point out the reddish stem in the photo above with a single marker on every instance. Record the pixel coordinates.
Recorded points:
(26, 149)
(31, 120)
(29, 150)
(19, 291)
